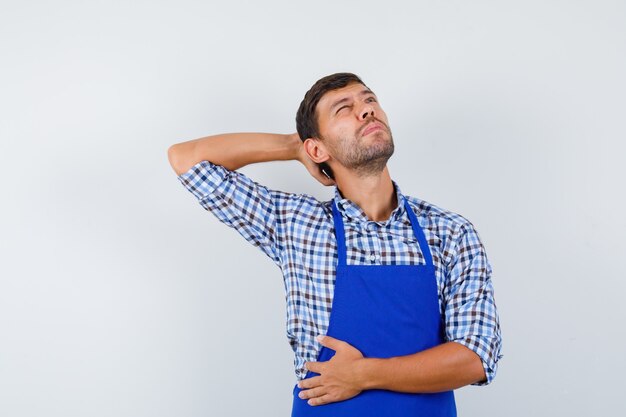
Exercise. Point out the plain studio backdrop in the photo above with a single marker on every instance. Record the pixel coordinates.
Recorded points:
(121, 296)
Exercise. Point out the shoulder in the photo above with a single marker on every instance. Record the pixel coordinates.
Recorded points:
(299, 208)
(310, 206)
(444, 228)
(434, 215)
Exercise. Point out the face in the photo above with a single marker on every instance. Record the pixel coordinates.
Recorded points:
(354, 129)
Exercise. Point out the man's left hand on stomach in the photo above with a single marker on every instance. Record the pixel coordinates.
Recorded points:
(338, 379)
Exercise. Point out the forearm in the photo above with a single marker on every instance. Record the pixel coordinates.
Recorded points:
(441, 368)
(234, 150)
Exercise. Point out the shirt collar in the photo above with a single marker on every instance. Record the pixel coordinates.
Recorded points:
(352, 211)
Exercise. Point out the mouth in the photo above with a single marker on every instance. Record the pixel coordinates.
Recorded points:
(372, 127)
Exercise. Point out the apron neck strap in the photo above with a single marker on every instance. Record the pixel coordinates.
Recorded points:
(339, 234)
(419, 233)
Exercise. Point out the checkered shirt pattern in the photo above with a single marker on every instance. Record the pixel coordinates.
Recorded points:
(296, 232)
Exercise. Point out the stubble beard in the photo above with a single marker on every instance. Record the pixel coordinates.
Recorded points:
(366, 159)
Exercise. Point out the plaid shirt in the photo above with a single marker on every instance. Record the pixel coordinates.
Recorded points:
(296, 231)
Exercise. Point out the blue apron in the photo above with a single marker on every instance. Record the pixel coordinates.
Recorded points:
(383, 311)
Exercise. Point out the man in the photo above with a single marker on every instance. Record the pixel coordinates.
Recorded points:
(400, 288)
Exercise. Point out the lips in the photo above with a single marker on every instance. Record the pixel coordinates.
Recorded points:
(371, 127)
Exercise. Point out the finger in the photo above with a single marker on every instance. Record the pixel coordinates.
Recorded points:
(321, 175)
(324, 399)
(315, 173)
(316, 367)
(332, 343)
(324, 180)
(312, 393)
(314, 381)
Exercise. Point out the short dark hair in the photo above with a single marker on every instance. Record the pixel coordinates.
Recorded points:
(306, 117)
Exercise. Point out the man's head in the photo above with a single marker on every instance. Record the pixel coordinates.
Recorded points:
(337, 114)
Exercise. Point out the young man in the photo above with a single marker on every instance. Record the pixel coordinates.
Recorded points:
(400, 287)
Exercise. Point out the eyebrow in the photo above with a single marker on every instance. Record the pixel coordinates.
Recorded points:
(343, 100)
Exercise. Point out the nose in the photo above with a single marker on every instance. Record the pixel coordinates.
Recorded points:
(367, 111)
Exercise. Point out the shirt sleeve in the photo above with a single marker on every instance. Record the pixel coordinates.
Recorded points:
(256, 212)
(470, 313)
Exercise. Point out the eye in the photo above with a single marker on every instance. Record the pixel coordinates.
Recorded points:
(341, 108)
(372, 98)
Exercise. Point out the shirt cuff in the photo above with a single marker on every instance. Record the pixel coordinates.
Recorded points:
(487, 354)
(203, 178)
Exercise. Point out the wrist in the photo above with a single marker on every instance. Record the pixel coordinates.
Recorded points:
(296, 146)
(366, 371)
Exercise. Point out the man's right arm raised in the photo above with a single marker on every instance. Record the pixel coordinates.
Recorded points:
(207, 168)
(234, 150)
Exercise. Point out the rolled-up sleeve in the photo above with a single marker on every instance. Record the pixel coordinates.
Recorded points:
(256, 212)
(470, 313)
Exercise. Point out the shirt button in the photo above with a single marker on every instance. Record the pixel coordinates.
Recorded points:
(372, 257)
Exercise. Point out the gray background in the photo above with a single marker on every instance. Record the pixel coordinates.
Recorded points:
(121, 296)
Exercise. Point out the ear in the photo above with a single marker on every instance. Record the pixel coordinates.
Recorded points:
(316, 150)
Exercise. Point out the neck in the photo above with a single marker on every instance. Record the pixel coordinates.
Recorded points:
(374, 194)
